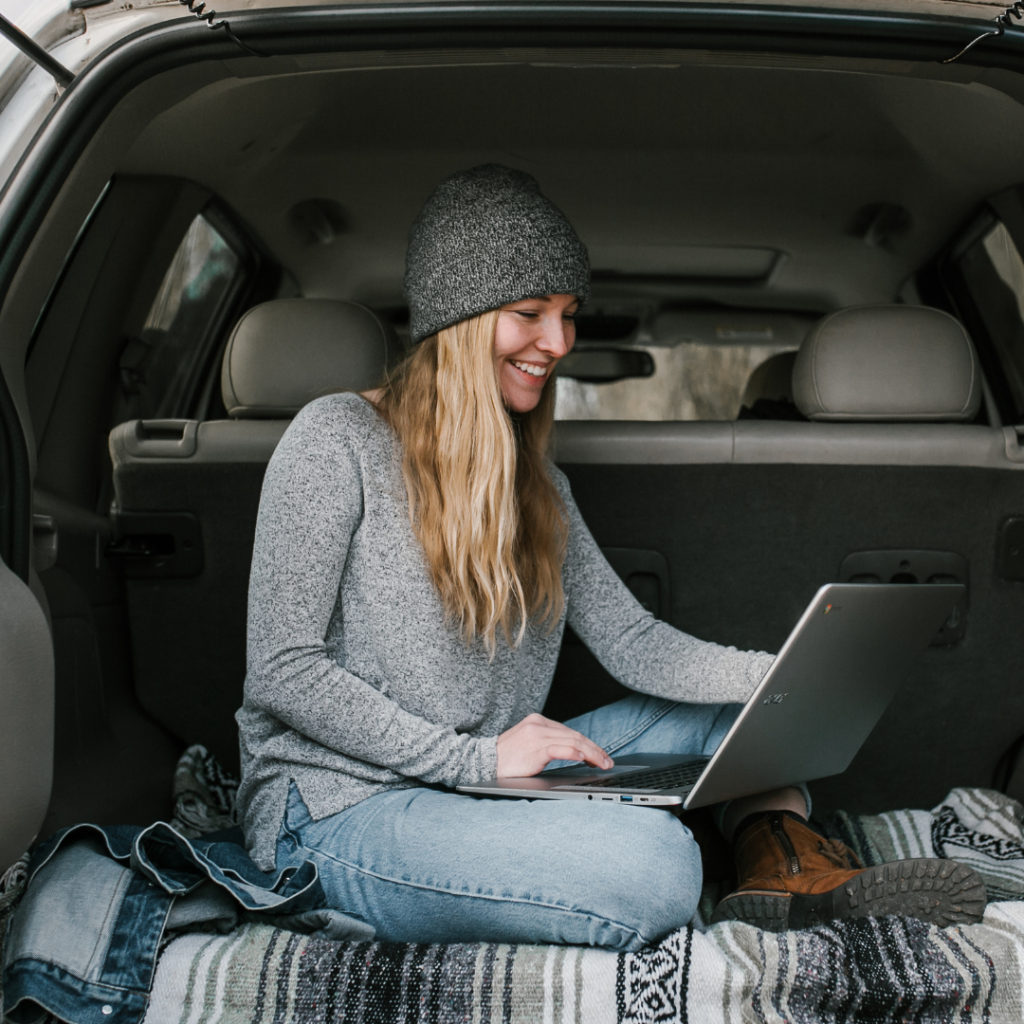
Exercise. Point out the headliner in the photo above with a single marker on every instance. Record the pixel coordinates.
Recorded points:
(656, 157)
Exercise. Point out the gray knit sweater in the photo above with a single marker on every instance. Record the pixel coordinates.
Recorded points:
(355, 683)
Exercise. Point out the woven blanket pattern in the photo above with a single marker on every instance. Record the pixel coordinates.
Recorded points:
(885, 969)
(977, 827)
(204, 794)
(854, 972)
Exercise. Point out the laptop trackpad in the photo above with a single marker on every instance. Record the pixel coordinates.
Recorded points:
(586, 771)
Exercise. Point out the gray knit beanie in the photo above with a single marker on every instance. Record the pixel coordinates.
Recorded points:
(487, 237)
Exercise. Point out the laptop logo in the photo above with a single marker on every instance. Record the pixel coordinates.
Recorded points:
(775, 698)
(833, 608)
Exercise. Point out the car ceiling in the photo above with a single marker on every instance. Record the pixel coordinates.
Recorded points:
(662, 160)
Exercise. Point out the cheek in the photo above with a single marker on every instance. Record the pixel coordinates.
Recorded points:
(508, 381)
(501, 338)
(509, 337)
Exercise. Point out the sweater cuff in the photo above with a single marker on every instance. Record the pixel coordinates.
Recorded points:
(487, 758)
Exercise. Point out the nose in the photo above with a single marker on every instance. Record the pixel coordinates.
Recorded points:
(556, 336)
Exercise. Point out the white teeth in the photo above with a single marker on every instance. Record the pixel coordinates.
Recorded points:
(533, 371)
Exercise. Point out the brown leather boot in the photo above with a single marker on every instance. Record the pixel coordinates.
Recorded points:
(790, 877)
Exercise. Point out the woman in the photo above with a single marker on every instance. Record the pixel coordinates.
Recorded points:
(417, 558)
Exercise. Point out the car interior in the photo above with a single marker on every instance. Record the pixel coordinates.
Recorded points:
(802, 362)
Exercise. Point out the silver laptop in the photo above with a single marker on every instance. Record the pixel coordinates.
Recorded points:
(834, 677)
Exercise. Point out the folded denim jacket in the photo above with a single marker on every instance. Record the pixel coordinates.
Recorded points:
(84, 941)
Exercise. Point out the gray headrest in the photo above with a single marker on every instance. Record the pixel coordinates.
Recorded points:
(283, 354)
(887, 363)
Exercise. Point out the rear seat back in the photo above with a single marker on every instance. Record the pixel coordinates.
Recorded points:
(750, 517)
(753, 517)
(187, 495)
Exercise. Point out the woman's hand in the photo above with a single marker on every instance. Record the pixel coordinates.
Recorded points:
(526, 748)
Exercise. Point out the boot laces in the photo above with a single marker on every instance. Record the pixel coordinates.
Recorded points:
(838, 853)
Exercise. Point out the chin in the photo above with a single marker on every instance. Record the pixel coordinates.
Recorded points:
(519, 398)
(522, 402)
(521, 407)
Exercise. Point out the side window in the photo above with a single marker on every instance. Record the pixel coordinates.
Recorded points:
(993, 272)
(696, 366)
(162, 368)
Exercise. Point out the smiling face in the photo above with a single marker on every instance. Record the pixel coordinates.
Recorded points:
(531, 336)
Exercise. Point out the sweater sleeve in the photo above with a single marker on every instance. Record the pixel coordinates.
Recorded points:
(311, 506)
(640, 651)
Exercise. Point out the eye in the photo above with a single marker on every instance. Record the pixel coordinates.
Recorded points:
(527, 314)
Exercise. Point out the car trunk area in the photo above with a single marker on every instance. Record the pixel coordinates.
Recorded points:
(728, 184)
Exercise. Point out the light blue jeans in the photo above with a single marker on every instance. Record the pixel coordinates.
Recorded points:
(426, 865)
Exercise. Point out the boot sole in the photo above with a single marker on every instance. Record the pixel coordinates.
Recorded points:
(941, 892)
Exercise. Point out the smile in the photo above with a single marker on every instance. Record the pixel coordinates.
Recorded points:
(532, 370)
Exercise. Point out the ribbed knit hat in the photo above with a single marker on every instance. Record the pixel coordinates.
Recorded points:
(487, 237)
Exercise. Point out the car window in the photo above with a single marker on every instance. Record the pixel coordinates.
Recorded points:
(706, 366)
(161, 368)
(994, 273)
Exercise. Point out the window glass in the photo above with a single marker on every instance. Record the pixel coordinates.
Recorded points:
(160, 369)
(690, 382)
(994, 273)
(707, 366)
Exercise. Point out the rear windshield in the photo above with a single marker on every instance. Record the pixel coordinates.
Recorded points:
(703, 365)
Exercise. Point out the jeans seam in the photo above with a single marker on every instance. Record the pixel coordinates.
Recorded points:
(474, 895)
(641, 727)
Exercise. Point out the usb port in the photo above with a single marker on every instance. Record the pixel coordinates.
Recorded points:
(626, 799)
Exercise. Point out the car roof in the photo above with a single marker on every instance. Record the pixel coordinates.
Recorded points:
(927, 8)
(860, 140)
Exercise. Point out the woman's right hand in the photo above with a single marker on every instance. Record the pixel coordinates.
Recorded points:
(526, 748)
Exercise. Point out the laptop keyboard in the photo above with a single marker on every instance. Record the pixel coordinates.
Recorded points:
(649, 779)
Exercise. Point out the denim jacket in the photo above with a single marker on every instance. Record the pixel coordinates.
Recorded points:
(84, 941)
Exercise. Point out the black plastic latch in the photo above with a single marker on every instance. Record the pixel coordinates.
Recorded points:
(157, 545)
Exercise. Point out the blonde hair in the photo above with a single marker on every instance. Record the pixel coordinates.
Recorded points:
(481, 501)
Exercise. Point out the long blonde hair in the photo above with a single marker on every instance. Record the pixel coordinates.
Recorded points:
(481, 501)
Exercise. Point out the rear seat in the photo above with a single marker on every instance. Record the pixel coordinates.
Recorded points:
(749, 517)
(186, 497)
(753, 516)
(878, 365)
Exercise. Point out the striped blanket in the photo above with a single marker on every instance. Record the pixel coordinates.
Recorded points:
(885, 969)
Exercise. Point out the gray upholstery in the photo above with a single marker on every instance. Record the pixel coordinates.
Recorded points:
(909, 363)
(283, 354)
(761, 442)
(26, 722)
(239, 441)
(647, 443)
(224, 441)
